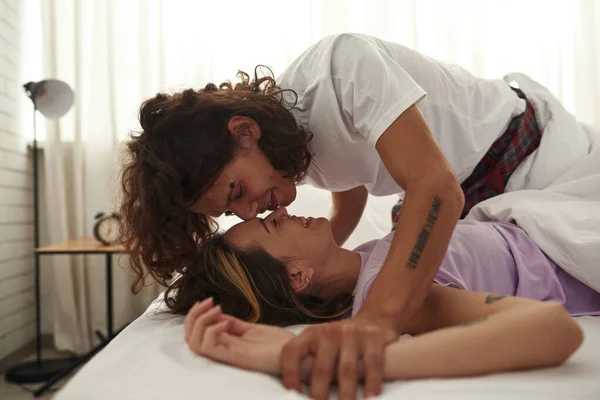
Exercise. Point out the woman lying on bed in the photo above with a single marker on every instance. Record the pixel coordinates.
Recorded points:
(288, 270)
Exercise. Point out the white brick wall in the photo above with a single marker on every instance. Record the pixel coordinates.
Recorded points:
(17, 313)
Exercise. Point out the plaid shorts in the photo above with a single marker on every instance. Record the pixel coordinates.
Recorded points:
(489, 178)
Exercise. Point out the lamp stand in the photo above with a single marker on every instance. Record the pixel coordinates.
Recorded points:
(38, 370)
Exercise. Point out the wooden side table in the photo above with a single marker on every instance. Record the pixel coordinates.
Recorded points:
(88, 245)
(81, 246)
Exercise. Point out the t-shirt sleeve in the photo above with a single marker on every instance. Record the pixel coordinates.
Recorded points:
(361, 296)
(372, 89)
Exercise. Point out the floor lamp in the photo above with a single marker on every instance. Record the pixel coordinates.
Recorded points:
(53, 99)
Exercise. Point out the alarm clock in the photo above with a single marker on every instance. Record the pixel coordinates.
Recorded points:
(107, 228)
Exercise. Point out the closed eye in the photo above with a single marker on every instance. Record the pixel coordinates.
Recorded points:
(233, 197)
(240, 192)
(262, 222)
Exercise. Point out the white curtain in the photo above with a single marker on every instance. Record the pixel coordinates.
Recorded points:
(117, 53)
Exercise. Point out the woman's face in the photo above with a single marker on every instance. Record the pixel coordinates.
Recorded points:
(286, 238)
(249, 185)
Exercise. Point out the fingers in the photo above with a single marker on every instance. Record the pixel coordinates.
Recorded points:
(237, 326)
(227, 339)
(373, 346)
(292, 356)
(325, 362)
(347, 374)
(197, 310)
(346, 342)
(212, 335)
(199, 327)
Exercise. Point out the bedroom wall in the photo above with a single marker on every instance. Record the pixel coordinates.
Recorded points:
(16, 194)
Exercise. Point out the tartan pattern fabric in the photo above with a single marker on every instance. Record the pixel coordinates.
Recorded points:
(396, 214)
(489, 178)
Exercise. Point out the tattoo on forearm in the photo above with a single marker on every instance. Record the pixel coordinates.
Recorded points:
(475, 321)
(432, 218)
(492, 298)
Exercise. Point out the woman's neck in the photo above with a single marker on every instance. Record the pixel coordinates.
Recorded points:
(341, 273)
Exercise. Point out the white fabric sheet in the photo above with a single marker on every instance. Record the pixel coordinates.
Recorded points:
(560, 206)
(150, 360)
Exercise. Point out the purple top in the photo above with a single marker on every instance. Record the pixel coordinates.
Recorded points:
(496, 257)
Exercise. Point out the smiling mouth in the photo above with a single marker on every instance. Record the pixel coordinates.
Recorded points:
(305, 222)
(273, 202)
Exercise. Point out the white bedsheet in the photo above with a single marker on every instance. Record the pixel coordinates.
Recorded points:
(150, 360)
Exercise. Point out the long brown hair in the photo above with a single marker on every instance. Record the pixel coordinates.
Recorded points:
(181, 150)
(251, 285)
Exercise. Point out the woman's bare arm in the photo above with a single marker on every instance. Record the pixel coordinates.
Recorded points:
(473, 333)
(462, 333)
(347, 209)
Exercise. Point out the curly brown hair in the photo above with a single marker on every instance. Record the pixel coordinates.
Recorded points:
(181, 150)
(251, 285)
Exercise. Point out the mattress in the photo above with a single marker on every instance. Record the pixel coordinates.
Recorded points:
(150, 360)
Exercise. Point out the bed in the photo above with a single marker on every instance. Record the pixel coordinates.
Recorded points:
(150, 360)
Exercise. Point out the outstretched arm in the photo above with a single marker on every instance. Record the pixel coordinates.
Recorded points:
(471, 333)
(458, 333)
(461, 333)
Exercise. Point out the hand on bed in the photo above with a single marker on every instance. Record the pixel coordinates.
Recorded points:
(336, 349)
(211, 333)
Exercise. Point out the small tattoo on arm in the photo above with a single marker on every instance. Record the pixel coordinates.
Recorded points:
(432, 218)
(473, 322)
(492, 298)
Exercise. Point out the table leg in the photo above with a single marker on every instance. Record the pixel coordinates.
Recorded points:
(109, 297)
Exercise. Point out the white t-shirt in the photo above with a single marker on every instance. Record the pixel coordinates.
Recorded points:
(352, 87)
